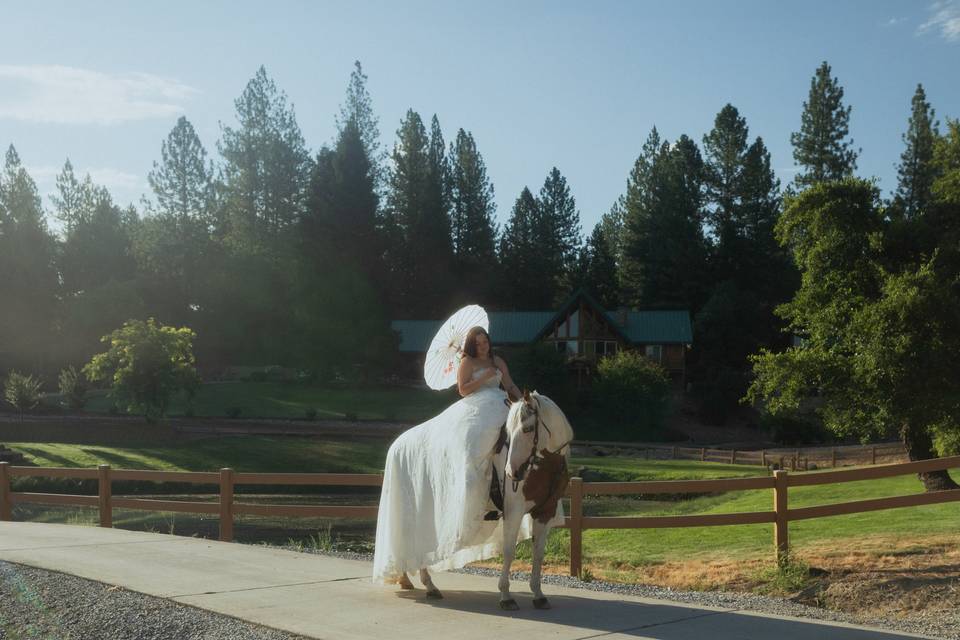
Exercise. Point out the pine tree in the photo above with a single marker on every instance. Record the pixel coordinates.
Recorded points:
(29, 287)
(471, 215)
(521, 263)
(612, 222)
(266, 167)
(182, 181)
(420, 255)
(602, 277)
(558, 231)
(74, 200)
(664, 248)
(724, 150)
(821, 147)
(358, 109)
(917, 172)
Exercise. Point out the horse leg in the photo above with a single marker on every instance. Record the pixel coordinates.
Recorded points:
(512, 516)
(404, 581)
(540, 533)
(432, 591)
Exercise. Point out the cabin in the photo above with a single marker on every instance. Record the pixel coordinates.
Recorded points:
(581, 329)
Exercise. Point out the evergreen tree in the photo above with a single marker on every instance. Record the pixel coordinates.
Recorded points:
(358, 109)
(664, 249)
(420, 255)
(725, 148)
(612, 222)
(557, 232)
(74, 200)
(183, 180)
(28, 287)
(174, 245)
(602, 277)
(471, 214)
(266, 168)
(916, 172)
(523, 268)
(821, 147)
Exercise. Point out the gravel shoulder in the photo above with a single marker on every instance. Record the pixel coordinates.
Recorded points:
(36, 603)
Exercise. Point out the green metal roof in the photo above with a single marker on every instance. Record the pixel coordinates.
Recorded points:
(521, 327)
(658, 327)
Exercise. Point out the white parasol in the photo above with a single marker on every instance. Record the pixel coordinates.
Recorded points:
(445, 351)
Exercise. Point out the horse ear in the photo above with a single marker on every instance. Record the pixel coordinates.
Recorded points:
(526, 395)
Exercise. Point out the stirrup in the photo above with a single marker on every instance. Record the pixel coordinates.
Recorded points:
(492, 515)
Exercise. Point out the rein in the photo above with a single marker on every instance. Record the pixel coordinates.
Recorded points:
(534, 456)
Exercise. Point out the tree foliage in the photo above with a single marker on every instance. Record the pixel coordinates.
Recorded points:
(145, 365)
(821, 147)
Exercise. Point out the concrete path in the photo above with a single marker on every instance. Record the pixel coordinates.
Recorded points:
(330, 598)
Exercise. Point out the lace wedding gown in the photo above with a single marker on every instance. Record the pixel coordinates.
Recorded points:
(436, 488)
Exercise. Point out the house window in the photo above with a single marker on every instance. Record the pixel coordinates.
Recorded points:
(590, 347)
(574, 324)
(561, 346)
(572, 347)
(610, 347)
(654, 352)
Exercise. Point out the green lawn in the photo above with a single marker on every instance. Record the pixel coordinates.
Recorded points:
(283, 400)
(611, 548)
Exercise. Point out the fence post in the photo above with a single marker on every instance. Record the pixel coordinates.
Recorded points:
(733, 457)
(673, 453)
(763, 457)
(226, 504)
(873, 454)
(780, 536)
(833, 456)
(6, 506)
(576, 527)
(105, 491)
(703, 454)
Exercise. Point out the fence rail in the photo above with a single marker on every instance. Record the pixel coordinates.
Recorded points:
(228, 507)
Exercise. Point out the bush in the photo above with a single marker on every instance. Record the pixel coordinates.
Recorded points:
(310, 413)
(147, 364)
(793, 429)
(23, 392)
(720, 396)
(73, 387)
(630, 397)
(233, 412)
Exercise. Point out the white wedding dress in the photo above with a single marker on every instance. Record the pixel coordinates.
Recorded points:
(436, 487)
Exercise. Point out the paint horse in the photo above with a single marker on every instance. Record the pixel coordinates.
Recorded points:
(531, 465)
(535, 478)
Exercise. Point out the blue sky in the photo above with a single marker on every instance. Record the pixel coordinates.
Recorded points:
(572, 84)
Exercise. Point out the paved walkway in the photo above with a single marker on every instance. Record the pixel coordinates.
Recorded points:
(329, 598)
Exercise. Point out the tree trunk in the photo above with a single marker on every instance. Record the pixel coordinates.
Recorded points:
(919, 446)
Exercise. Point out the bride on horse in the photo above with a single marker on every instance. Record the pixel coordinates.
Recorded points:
(437, 480)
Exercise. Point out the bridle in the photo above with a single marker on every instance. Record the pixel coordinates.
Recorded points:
(534, 458)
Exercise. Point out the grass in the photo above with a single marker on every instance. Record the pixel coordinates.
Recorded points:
(294, 400)
(610, 553)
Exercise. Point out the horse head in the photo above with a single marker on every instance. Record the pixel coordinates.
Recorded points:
(535, 425)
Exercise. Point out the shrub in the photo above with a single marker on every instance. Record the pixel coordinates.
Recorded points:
(73, 387)
(147, 364)
(233, 412)
(631, 396)
(792, 428)
(310, 413)
(23, 392)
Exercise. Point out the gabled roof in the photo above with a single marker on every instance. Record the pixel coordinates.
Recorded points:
(524, 327)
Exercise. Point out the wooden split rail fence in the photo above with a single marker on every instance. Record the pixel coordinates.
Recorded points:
(227, 507)
(794, 459)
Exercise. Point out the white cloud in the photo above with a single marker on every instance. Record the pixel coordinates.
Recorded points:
(892, 22)
(68, 95)
(945, 18)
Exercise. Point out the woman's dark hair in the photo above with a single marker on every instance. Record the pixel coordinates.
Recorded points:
(470, 342)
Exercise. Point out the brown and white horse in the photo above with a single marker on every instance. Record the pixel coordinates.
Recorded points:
(535, 478)
(533, 473)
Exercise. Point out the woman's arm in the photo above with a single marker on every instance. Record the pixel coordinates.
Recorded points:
(507, 381)
(465, 385)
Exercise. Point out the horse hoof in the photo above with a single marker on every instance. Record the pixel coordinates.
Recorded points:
(434, 594)
(541, 603)
(509, 605)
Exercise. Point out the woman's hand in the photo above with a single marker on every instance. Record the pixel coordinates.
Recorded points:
(492, 372)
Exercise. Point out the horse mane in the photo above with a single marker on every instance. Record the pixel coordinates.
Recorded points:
(561, 432)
